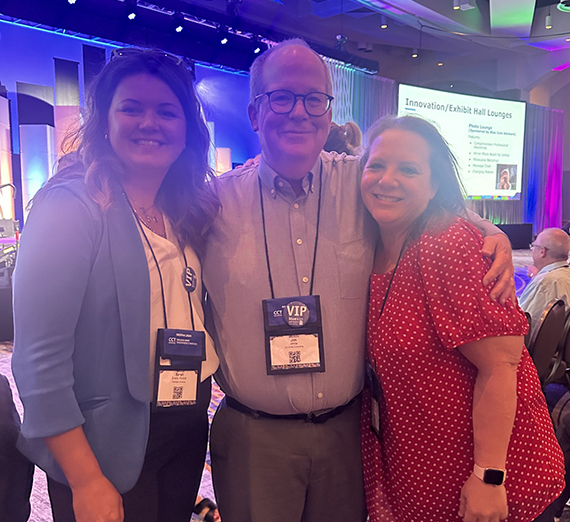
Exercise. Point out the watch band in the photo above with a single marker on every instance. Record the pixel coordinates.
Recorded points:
(493, 476)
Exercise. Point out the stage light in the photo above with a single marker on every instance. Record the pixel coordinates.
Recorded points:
(71, 1)
(232, 7)
(340, 41)
(223, 34)
(178, 21)
(131, 6)
(564, 6)
(464, 5)
(440, 64)
(257, 44)
(384, 23)
(415, 53)
(548, 22)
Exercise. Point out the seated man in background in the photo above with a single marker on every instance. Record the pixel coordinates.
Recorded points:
(550, 256)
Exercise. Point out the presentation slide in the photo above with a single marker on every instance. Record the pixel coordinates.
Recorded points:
(485, 134)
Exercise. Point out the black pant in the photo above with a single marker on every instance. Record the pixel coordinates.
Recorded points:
(16, 471)
(167, 487)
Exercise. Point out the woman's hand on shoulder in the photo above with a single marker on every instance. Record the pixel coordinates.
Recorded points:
(498, 248)
(97, 501)
(482, 502)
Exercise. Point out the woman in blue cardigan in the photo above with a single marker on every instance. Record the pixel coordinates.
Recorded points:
(109, 259)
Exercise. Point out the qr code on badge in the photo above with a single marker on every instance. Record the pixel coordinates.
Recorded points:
(177, 393)
(294, 357)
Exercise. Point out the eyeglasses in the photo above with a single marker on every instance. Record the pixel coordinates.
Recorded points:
(282, 101)
(131, 51)
(532, 245)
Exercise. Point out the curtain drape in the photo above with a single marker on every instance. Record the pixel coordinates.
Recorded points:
(363, 98)
(360, 97)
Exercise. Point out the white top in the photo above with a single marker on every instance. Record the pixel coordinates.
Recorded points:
(552, 282)
(171, 261)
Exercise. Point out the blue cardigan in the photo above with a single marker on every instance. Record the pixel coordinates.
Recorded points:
(82, 319)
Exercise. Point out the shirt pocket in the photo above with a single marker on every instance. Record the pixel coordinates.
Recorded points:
(352, 261)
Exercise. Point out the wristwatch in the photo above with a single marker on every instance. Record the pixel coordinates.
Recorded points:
(493, 476)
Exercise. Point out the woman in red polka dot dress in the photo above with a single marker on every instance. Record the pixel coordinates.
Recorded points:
(455, 426)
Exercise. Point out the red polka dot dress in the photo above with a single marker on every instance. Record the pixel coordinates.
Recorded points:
(437, 303)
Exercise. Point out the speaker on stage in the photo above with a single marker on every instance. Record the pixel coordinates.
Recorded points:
(520, 235)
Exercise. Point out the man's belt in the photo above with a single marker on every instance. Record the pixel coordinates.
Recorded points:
(314, 417)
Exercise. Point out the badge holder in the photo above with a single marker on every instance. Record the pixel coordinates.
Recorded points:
(293, 335)
(179, 356)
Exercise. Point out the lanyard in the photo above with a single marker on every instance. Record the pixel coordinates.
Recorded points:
(316, 234)
(392, 279)
(385, 300)
(160, 272)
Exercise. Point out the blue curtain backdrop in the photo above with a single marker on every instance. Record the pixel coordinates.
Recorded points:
(542, 201)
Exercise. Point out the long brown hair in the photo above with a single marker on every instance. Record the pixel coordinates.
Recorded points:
(185, 195)
(448, 201)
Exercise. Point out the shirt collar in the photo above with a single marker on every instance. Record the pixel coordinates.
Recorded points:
(552, 266)
(276, 184)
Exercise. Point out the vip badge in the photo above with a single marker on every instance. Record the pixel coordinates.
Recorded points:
(189, 279)
(296, 313)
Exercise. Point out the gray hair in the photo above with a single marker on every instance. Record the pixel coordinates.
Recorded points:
(557, 242)
(256, 85)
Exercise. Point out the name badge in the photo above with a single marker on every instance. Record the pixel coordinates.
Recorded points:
(374, 386)
(293, 335)
(179, 356)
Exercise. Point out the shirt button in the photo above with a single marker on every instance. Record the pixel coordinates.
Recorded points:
(272, 191)
(299, 241)
(320, 395)
(280, 183)
(305, 279)
(296, 205)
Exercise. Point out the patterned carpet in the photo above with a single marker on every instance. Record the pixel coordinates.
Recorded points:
(41, 510)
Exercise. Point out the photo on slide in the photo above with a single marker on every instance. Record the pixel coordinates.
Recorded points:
(506, 176)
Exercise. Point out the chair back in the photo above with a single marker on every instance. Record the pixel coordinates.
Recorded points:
(560, 360)
(564, 344)
(546, 337)
(528, 334)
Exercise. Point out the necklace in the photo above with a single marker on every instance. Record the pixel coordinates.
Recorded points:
(149, 220)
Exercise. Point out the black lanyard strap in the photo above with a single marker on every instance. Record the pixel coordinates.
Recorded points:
(163, 300)
(270, 277)
(188, 292)
(385, 300)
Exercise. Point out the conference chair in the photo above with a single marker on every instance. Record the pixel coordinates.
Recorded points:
(546, 337)
(527, 336)
(559, 371)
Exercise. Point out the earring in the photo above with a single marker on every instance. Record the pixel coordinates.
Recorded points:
(106, 136)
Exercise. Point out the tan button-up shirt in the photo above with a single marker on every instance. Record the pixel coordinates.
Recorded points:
(236, 275)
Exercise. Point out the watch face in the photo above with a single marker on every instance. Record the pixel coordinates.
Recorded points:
(494, 476)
